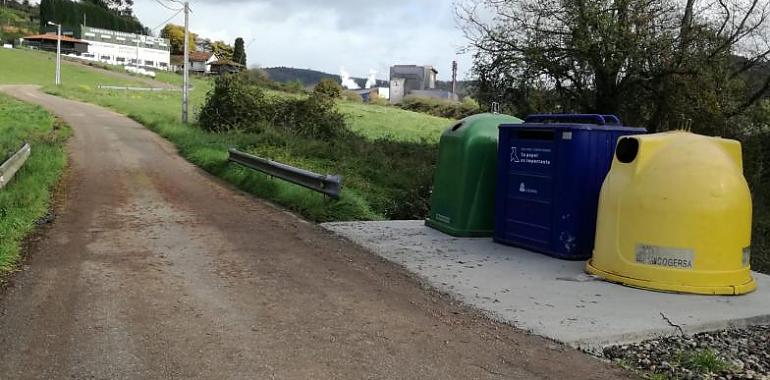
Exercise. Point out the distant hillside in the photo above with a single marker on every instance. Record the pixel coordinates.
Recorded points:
(308, 77)
(17, 20)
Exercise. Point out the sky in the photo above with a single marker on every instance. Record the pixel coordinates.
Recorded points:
(327, 35)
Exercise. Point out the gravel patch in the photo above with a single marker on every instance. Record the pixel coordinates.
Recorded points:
(724, 354)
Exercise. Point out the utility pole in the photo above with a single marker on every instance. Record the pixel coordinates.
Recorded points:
(186, 74)
(57, 79)
(454, 77)
(136, 61)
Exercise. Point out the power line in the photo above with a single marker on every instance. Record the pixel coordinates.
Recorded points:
(167, 7)
(169, 19)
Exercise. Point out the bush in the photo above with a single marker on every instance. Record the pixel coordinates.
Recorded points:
(294, 86)
(316, 116)
(440, 108)
(232, 104)
(393, 177)
(328, 87)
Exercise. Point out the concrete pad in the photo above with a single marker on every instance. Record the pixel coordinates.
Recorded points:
(546, 296)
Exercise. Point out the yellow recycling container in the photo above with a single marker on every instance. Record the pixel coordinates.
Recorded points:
(675, 215)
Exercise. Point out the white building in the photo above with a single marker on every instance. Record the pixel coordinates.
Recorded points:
(120, 48)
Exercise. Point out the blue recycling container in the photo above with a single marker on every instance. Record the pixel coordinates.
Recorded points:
(550, 171)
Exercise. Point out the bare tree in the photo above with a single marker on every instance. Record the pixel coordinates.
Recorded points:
(656, 62)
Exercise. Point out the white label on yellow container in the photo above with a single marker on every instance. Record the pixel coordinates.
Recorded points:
(664, 256)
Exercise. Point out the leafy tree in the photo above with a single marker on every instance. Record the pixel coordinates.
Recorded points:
(222, 50)
(239, 52)
(70, 15)
(657, 63)
(175, 35)
(122, 7)
(203, 44)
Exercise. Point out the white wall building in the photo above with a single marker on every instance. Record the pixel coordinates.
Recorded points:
(120, 48)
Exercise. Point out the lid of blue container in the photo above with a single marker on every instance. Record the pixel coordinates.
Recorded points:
(574, 121)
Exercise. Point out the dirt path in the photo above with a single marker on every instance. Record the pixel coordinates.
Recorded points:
(153, 269)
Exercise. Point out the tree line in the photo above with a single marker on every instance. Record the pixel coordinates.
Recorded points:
(224, 51)
(112, 15)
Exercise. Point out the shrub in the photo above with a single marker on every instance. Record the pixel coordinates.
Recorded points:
(328, 87)
(294, 86)
(316, 116)
(393, 177)
(232, 104)
(439, 107)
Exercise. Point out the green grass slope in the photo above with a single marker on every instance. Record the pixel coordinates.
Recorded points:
(22, 66)
(27, 197)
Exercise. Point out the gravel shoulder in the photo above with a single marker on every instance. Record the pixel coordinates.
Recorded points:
(724, 354)
(153, 269)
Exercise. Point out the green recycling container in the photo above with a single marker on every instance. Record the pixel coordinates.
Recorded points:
(463, 198)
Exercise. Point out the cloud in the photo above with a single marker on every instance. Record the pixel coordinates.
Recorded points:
(325, 35)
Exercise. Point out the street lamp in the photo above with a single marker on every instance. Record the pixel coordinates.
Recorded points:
(58, 52)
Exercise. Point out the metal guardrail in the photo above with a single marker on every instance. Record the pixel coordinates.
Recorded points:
(9, 168)
(330, 185)
(148, 89)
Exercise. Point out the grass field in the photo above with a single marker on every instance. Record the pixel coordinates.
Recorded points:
(374, 121)
(27, 197)
(21, 66)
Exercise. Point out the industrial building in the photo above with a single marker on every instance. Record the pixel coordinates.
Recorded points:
(121, 48)
(417, 81)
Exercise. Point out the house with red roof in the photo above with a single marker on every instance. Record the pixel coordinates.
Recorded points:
(69, 45)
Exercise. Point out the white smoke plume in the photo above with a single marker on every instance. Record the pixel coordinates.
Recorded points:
(372, 80)
(347, 81)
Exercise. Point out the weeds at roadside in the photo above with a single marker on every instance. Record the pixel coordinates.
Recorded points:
(702, 361)
(26, 198)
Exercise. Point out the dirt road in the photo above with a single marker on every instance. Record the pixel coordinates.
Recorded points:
(153, 269)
